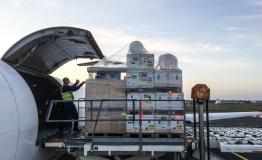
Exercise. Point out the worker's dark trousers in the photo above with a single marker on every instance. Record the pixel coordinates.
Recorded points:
(70, 113)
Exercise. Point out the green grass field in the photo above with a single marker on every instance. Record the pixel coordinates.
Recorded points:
(230, 107)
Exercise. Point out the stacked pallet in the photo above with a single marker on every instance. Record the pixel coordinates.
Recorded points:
(143, 83)
(140, 77)
(158, 116)
(140, 71)
(168, 79)
(110, 110)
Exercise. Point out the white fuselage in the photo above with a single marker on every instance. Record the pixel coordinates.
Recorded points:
(18, 116)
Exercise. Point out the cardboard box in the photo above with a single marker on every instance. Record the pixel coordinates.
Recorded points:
(147, 126)
(168, 78)
(176, 126)
(145, 105)
(140, 61)
(132, 127)
(169, 105)
(140, 79)
(162, 126)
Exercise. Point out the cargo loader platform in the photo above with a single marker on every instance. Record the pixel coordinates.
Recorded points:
(137, 139)
(135, 145)
(118, 146)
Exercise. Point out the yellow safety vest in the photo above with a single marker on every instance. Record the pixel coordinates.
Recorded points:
(67, 96)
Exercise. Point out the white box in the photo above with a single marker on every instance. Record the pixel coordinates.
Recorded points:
(141, 96)
(176, 126)
(147, 126)
(140, 61)
(168, 78)
(169, 105)
(140, 79)
(162, 125)
(132, 126)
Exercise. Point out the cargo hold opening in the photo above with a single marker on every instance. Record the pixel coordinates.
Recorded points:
(44, 89)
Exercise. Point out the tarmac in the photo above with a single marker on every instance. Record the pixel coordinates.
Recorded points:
(251, 122)
(215, 153)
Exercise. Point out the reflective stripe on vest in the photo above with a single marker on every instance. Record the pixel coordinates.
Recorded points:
(67, 96)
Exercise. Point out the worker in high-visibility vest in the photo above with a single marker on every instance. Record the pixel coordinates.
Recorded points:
(69, 108)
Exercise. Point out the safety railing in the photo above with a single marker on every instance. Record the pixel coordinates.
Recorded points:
(91, 108)
(98, 105)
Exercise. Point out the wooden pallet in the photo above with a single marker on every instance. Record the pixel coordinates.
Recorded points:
(154, 135)
(137, 135)
(106, 134)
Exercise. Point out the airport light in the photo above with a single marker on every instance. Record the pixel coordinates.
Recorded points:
(201, 94)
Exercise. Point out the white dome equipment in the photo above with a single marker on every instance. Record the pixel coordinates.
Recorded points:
(137, 47)
(167, 61)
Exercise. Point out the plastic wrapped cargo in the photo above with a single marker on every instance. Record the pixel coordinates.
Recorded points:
(140, 79)
(136, 47)
(145, 105)
(162, 126)
(154, 124)
(169, 105)
(140, 61)
(167, 61)
(176, 126)
(168, 78)
(148, 126)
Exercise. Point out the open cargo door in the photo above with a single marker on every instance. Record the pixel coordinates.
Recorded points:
(46, 50)
(39, 54)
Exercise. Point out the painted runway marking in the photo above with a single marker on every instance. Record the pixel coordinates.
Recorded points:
(239, 156)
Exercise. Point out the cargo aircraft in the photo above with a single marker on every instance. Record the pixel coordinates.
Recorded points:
(26, 87)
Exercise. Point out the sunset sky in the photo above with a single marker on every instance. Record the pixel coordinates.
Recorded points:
(217, 42)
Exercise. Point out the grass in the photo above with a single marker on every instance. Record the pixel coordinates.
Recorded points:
(230, 107)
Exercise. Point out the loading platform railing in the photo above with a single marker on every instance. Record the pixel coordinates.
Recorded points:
(140, 144)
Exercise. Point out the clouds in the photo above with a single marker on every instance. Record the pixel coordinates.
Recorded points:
(202, 62)
(255, 2)
(204, 54)
(233, 28)
(44, 3)
(209, 38)
(17, 3)
(50, 3)
(119, 37)
(249, 17)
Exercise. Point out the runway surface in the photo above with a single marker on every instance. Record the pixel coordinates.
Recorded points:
(238, 156)
(238, 122)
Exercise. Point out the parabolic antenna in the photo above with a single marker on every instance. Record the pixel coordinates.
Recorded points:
(167, 61)
(137, 47)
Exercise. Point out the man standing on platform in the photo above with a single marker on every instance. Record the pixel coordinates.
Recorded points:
(69, 109)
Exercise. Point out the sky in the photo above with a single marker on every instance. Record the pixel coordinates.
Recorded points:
(217, 42)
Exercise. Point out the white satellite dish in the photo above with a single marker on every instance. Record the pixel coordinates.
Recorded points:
(137, 47)
(167, 61)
